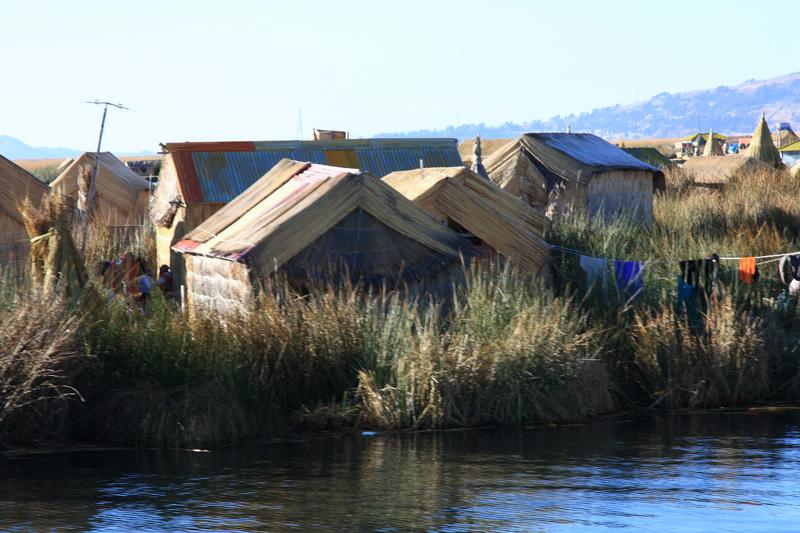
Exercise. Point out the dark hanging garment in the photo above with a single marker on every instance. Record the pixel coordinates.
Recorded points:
(686, 295)
(710, 272)
(690, 272)
(789, 268)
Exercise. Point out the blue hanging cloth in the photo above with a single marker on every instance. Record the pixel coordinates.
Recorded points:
(629, 276)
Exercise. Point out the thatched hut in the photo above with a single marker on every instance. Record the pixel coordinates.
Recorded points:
(16, 186)
(313, 222)
(121, 194)
(713, 147)
(197, 179)
(564, 171)
(717, 171)
(695, 144)
(762, 147)
(496, 221)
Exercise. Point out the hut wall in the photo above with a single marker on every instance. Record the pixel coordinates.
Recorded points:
(14, 245)
(115, 201)
(217, 285)
(621, 190)
(572, 198)
(186, 219)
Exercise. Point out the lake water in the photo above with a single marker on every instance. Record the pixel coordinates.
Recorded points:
(699, 472)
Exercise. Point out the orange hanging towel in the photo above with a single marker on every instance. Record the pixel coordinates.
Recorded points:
(747, 269)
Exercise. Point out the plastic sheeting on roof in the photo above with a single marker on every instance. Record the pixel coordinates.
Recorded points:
(590, 150)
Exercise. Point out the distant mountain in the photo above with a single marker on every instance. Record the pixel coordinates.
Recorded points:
(12, 148)
(729, 110)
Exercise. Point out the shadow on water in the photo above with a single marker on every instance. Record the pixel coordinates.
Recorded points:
(674, 472)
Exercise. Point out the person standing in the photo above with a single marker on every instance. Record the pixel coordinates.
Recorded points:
(145, 284)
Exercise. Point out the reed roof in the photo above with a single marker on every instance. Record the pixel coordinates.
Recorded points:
(488, 147)
(719, 170)
(116, 184)
(713, 148)
(536, 163)
(495, 216)
(302, 214)
(704, 136)
(762, 147)
(17, 184)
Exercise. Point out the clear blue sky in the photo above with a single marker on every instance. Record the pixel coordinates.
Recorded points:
(197, 70)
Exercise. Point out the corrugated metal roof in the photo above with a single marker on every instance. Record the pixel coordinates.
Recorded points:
(380, 161)
(225, 175)
(218, 172)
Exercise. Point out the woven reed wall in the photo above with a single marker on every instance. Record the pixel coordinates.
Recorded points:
(622, 190)
(14, 245)
(217, 285)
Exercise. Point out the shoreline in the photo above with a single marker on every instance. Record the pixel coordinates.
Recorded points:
(621, 417)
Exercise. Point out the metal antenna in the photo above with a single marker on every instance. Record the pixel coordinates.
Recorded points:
(299, 124)
(85, 215)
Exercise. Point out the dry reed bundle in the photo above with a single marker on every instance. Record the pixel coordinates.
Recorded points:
(55, 260)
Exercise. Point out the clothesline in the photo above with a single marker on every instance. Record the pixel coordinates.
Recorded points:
(772, 258)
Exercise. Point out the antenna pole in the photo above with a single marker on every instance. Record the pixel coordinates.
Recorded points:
(299, 124)
(86, 214)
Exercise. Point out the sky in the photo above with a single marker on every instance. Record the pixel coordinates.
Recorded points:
(233, 70)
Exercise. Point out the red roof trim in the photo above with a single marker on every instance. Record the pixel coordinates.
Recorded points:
(223, 146)
(185, 245)
(187, 177)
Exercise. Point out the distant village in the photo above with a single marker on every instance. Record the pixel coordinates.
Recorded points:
(229, 215)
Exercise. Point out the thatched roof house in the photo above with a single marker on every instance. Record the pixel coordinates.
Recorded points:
(16, 185)
(122, 194)
(312, 222)
(762, 147)
(563, 171)
(198, 178)
(716, 171)
(465, 201)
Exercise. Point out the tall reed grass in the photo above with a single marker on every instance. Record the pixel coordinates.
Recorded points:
(499, 349)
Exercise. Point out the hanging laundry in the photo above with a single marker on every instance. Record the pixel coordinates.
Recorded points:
(690, 304)
(629, 276)
(710, 272)
(748, 272)
(789, 268)
(596, 269)
(686, 294)
(690, 271)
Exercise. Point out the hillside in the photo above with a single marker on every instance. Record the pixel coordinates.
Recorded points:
(12, 148)
(730, 110)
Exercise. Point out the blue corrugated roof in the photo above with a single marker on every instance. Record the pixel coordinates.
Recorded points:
(222, 175)
(380, 161)
(225, 175)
